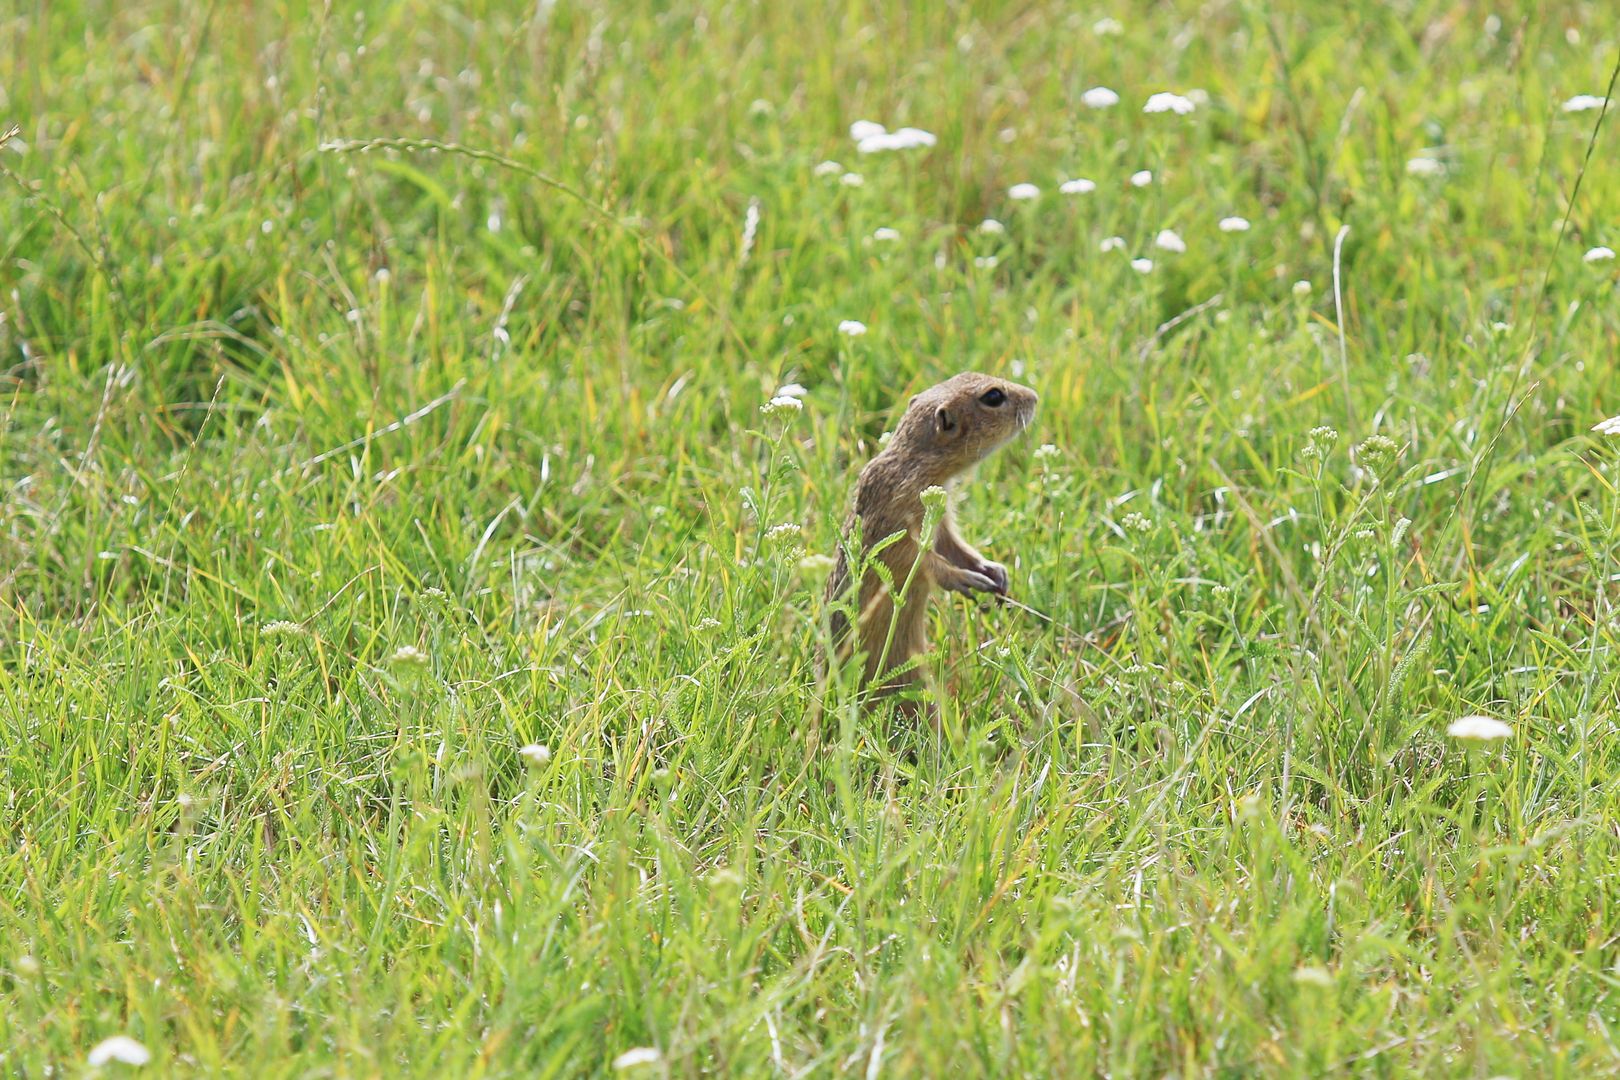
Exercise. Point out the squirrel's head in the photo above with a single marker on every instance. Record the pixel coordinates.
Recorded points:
(957, 424)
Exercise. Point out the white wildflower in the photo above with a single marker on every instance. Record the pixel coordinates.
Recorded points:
(905, 139)
(1302, 288)
(886, 234)
(985, 262)
(1077, 186)
(641, 1055)
(1425, 166)
(1142, 266)
(865, 129)
(828, 168)
(1142, 179)
(535, 754)
(1584, 103)
(1109, 27)
(782, 404)
(1478, 729)
(992, 227)
(1611, 426)
(1112, 243)
(909, 137)
(792, 390)
(1099, 97)
(1598, 254)
(1234, 224)
(1023, 192)
(852, 328)
(933, 497)
(814, 564)
(409, 656)
(1175, 103)
(1137, 523)
(787, 530)
(1169, 240)
(1046, 452)
(852, 179)
(119, 1048)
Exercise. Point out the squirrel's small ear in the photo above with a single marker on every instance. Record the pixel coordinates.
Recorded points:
(944, 420)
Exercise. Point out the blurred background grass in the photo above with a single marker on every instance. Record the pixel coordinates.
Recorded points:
(337, 467)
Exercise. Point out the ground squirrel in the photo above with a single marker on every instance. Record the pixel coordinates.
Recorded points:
(946, 430)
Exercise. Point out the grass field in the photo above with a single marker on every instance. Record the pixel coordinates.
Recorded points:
(380, 395)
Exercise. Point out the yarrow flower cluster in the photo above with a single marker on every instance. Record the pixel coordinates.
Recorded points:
(1234, 224)
(1099, 97)
(1077, 186)
(1142, 178)
(1023, 192)
(1478, 729)
(852, 328)
(1164, 102)
(782, 405)
(119, 1048)
(1598, 254)
(1425, 166)
(1169, 240)
(1584, 103)
(873, 138)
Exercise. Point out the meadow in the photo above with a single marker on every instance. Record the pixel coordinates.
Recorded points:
(409, 605)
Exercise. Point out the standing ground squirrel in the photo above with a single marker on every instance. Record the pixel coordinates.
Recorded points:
(946, 430)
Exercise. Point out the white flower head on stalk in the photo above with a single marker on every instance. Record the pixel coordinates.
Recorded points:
(827, 168)
(1023, 192)
(1108, 27)
(910, 137)
(1112, 243)
(1142, 266)
(852, 328)
(817, 564)
(1234, 224)
(1169, 240)
(1423, 165)
(1598, 254)
(782, 405)
(1301, 288)
(535, 754)
(865, 129)
(1478, 729)
(1099, 97)
(1142, 178)
(886, 235)
(1078, 186)
(1584, 103)
(119, 1048)
(641, 1055)
(852, 179)
(792, 390)
(992, 227)
(1174, 103)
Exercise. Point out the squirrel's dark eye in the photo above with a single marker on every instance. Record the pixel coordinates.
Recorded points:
(993, 398)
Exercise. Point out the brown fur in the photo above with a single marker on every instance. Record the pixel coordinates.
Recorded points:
(946, 430)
